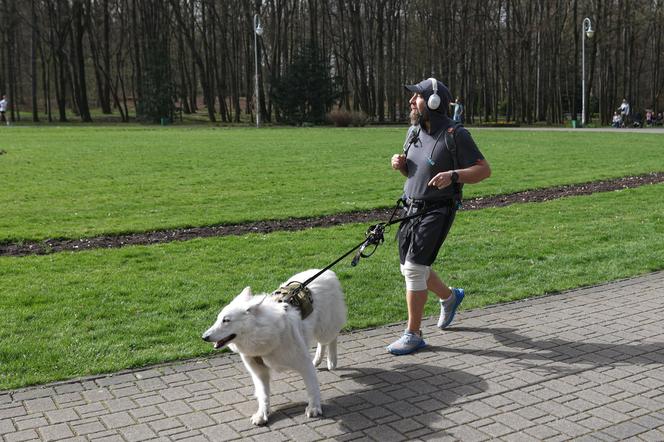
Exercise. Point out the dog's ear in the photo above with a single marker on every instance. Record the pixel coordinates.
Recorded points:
(246, 294)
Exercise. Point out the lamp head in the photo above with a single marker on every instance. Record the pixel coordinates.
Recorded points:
(588, 27)
(258, 29)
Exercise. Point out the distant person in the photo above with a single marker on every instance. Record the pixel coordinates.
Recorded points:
(3, 109)
(458, 110)
(617, 121)
(434, 180)
(659, 119)
(650, 120)
(624, 111)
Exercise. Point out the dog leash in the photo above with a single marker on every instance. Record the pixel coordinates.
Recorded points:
(374, 236)
(297, 294)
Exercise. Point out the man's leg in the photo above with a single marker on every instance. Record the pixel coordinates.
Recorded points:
(449, 299)
(436, 285)
(416, 276)
(416, 301)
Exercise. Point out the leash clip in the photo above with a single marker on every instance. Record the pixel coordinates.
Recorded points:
(374, 237)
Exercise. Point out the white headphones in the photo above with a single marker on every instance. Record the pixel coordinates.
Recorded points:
(434, 99)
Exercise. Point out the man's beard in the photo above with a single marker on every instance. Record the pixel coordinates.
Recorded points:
(416, 117)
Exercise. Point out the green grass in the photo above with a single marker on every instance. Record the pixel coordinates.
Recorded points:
(71, 314)
(79, 181)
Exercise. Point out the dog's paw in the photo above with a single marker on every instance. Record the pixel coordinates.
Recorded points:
(260, 418)
(317, 360)
(331, 365)
(313, 411)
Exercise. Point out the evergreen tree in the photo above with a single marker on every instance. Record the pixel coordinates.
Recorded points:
(155, 93)
(307, 91)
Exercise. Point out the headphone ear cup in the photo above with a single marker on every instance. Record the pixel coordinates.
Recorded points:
(433, 102)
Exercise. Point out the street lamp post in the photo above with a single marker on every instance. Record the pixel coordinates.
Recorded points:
(586, 31)
(258, 31)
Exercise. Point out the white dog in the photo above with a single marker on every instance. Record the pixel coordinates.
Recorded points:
(272, 335)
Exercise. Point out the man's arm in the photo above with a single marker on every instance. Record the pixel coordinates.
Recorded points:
(475, 173)
(470, 175)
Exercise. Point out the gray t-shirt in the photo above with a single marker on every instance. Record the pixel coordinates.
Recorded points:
(427, 155)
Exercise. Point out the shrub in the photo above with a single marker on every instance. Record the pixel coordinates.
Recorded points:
(340, 118)
(359, 118)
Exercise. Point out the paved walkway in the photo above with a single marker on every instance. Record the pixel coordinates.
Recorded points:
(646, 130)
(577, 365)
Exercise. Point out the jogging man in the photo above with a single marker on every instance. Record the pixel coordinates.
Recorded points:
(434, 179)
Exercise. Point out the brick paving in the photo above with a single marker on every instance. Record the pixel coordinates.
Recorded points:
(576, 365)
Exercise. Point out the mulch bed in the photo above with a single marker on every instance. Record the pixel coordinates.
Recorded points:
(163, 236)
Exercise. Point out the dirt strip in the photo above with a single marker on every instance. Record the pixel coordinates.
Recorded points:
(292, 224)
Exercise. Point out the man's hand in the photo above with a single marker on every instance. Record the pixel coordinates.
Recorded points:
(441, 180)
(399, 162)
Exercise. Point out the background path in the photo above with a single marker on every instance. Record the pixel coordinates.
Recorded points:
(586, 364)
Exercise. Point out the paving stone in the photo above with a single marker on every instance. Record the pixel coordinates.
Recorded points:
(174, 408)
(542, 432)
(301, 433)
(62, 415)
(466, 433)
(55, 432)
(117, 420)
(109, 438)
(138, 432)
(197, 420)
(652, 435)
(88, 427)
(625, 430)
(89, 410)
(97, 395)
(21, 436)
(220, 432)
(38, 405)
(163, 425)
(568, 428)
(33, 393)
(514, 420)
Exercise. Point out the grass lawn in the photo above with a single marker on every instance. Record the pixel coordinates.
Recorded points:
(71, 314)
(90, 180)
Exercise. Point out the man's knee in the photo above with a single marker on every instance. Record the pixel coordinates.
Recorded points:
(416, 276)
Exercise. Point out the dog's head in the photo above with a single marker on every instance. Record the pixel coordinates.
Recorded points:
(233, 320)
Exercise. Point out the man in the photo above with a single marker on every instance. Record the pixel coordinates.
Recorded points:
(3, 109)
(624, 111)
(433, 188)
(458, 110)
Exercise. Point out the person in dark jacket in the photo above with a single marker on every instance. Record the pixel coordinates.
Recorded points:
(434, 181)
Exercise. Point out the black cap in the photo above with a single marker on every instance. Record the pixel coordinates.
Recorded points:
(425, 89)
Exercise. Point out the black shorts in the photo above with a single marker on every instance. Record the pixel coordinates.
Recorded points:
(421, 238)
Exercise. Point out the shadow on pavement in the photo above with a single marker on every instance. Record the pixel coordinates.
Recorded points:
(591, 354)
(408, 397)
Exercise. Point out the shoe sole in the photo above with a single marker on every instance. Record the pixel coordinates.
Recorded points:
(456, 306)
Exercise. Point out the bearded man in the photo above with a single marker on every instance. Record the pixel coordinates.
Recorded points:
(439, 158)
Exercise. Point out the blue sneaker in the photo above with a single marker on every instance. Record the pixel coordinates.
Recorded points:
(449, 307)
(406, 344)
